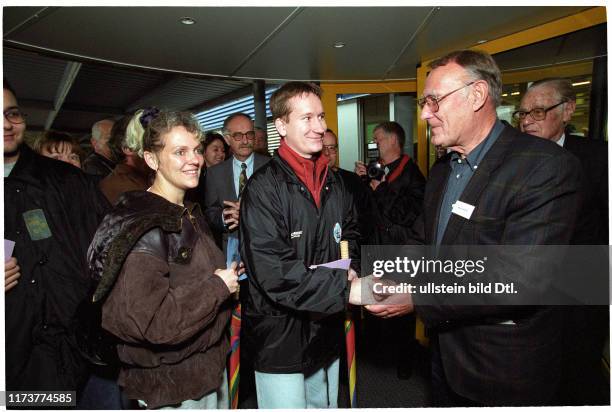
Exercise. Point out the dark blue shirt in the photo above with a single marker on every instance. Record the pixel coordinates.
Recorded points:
(462, 170)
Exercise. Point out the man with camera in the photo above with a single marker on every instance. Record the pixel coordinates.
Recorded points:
(397, 188)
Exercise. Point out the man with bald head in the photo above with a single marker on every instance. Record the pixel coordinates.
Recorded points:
(545, 111)
(225, 181)
(100, 162)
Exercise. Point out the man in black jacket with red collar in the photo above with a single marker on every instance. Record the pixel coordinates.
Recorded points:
(294, 212)
(396, 201)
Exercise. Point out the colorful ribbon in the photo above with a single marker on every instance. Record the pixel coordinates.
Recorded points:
(234, 360)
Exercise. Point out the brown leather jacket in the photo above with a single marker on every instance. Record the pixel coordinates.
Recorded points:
(167, 307)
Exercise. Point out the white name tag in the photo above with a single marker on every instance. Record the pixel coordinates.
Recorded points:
(463, 209)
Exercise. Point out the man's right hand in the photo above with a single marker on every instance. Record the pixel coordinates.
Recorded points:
(360, 168)
(231, 214)
(11, 274)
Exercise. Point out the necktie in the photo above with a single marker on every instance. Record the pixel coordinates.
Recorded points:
(243, 178)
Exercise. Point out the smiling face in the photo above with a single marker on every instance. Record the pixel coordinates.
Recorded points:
(178, 163)
(450, 124)
(215, 153)
(303, 130)
(553, 124)
(13, 133)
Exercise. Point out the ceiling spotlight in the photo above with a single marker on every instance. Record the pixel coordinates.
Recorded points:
(581, 83)
(187, 21)
(481, 41)
(515, 93)
(339, 44)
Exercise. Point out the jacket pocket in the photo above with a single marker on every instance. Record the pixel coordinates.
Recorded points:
(275, 342)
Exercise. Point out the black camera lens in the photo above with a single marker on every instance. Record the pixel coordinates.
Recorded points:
(375, 170)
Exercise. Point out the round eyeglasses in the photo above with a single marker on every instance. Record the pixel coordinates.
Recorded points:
(14, 116)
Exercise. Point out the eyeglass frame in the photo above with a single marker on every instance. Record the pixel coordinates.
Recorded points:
(423, 100)
(530, 112)
(23, 115)
(242, 135)
(330, 147)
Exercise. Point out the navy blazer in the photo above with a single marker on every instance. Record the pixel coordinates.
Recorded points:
(219, 186)
(525, 192)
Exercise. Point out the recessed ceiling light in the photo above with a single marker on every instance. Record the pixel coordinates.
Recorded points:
(581, 83)
(505, 95)
(515, 93)
(339, 44)
(188, 21)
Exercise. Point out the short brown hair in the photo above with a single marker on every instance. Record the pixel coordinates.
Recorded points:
(480, 65)
(163, 123)
(279, 102)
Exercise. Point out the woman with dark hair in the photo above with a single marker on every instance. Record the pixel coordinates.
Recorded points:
(60, 146)
(214, 149)
(160, 273)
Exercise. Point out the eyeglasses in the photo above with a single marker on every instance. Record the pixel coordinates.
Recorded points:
(237, 136)
(537, 113)
(434, 102)
(14, 116)
(330, 147)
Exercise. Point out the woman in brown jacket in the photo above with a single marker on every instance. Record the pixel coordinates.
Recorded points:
(167, 300)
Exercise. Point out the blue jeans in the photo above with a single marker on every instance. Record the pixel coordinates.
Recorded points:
(296, 391)
(217, 399)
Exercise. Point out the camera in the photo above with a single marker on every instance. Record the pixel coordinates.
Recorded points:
(376, 170)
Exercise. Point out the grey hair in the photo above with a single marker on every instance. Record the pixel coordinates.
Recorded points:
(480, 65)
(562, 86)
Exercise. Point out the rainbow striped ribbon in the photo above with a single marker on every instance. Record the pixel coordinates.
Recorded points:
(234, 360)
(351, 361)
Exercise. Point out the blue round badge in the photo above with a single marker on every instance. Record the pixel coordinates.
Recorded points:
(337, 232)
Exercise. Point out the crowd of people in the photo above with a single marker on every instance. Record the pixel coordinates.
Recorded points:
(169, 230)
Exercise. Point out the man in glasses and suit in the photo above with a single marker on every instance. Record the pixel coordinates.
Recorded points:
(496, 186)
(545, 111)
(225, 181)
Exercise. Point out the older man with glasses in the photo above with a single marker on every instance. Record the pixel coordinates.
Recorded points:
(496, 186)
(545, 111)
(225, 181)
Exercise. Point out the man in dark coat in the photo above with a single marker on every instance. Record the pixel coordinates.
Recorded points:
(396, 201)
(497, 186)
(545, 110)
(100, 162)
(294, 212)
(51, 211)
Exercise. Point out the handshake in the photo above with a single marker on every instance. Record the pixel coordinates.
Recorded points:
(372, 293)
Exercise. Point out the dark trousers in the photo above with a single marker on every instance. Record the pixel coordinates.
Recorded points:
(442, 394)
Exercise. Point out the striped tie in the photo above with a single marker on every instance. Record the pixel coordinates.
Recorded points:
(243, 178)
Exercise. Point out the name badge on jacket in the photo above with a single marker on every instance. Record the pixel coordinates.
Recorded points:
(37, 225)
(463, 209)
